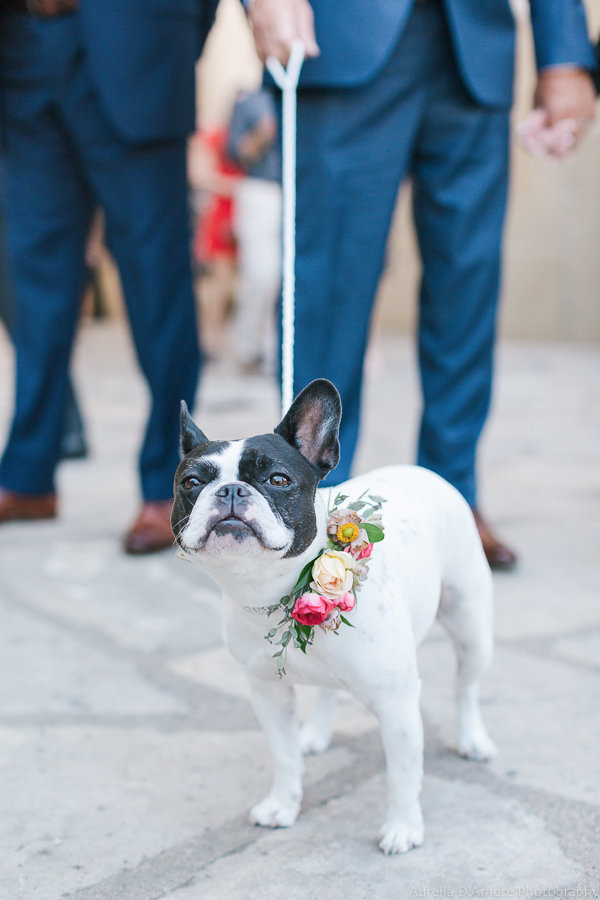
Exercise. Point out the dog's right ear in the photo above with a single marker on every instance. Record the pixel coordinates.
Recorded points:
(191, 435)
(312, 425)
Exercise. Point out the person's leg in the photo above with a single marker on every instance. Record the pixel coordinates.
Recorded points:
(143, 191)
(215, 287)
(73, 444)
(354, 147)
(460, 189)
(48, 212)
(150, 239)
(459, 196)
(257, 223)
(6, 298)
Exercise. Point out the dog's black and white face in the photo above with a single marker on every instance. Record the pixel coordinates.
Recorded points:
(256, 496)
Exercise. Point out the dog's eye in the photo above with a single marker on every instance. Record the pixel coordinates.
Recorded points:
(189, 483)
(279, 480)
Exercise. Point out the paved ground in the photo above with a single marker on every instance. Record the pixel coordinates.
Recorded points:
(129, 754)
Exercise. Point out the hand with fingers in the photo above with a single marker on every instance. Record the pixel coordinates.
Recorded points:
(277, 23)
(564, 107)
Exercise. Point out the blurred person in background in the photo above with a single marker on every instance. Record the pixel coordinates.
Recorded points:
(420, 88)
(97, 102)
(213, 179)
(253, 143)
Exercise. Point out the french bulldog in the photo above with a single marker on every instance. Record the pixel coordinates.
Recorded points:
(249, 512)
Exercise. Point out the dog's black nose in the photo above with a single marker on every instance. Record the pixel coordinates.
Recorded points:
(233, 491)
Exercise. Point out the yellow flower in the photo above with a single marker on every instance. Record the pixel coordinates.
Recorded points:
(347, 532)
(332, 573)
(340, 518)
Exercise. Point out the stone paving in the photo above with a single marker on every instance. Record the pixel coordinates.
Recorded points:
(129, 755)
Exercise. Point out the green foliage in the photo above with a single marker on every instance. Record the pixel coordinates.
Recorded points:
(374, 532)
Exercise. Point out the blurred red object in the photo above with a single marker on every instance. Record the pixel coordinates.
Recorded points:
(214, 176)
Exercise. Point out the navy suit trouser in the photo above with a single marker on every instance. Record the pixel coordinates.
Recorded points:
(355, 147)
(63, 158)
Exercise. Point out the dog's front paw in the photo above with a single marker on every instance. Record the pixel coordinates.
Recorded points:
(400, 837)
(275, 813)
(478, 746)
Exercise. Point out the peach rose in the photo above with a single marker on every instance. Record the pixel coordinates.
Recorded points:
(332, 573)
(311, 609)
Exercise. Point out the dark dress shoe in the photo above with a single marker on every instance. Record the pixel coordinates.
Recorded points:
(15, 507)
(151, 531)
(500, 557)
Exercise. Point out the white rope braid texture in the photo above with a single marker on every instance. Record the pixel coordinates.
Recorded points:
(287, 81)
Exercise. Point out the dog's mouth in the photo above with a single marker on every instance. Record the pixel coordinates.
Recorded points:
(223, 533)
(234, 526)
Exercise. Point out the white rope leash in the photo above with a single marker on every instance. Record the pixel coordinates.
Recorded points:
(287, 81)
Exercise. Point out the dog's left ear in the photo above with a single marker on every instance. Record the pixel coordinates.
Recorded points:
(191, 435)
(312, 425)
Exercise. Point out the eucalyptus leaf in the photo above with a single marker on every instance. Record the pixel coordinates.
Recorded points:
(340, 498)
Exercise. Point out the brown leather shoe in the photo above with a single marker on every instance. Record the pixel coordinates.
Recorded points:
(151, 531)
(499, 556)
(15, 507)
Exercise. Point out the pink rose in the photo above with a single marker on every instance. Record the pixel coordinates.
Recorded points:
(365, 552)
(347, 602)
(312, 609)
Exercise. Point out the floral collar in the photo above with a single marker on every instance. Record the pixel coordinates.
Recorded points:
(327, 585)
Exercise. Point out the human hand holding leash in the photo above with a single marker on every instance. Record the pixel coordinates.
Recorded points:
(277, 23)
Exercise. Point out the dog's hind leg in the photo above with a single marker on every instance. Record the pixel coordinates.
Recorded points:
(315, 734)
(466, 613)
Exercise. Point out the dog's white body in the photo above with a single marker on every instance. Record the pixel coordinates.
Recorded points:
(430, 564)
